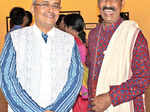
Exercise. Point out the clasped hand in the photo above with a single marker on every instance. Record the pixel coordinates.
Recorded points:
(101, 102)
(48, 111)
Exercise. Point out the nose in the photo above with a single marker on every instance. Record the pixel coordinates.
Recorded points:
(50, 8)
(108, 2)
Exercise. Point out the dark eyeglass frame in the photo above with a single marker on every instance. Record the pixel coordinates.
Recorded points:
(46, 5)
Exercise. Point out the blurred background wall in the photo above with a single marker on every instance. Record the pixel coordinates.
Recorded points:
(138, 11)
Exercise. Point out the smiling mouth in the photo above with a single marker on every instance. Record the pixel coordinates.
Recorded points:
(50, 17)
(108, 11)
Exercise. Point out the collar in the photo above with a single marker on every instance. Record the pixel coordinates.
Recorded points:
(49, 33)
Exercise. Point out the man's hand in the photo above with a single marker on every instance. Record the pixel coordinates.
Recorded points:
(48, 111)
(101, 102)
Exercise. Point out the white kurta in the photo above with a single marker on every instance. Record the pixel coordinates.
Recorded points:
(42, 68)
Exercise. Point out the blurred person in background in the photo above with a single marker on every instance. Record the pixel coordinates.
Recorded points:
(60, 22)
(74, 24)
(16, 15)
(27, 18)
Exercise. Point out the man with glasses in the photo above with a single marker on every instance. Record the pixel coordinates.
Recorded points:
(118, 61)
(40, 67)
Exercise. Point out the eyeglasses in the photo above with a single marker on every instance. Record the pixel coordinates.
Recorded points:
(46, 5)
(108, 0)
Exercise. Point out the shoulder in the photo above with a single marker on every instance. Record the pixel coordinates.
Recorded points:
(94, 31)
(64, 37)
(21, 37)
(62, 33)
(129, 24)
(23, 32)
(141, 40)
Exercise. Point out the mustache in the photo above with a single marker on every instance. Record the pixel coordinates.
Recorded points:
(108, 8)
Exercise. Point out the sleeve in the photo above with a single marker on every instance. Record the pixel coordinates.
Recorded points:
(88, 60)
(137, 84)
(68, 95)
(82, 51)
(0, 78)
(16, 96)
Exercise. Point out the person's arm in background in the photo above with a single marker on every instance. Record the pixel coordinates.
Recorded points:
(68, 95)
(16, 96)
(140, 80)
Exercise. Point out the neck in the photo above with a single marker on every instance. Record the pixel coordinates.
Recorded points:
(104, 25)
(45, 29)
(108, 23)
(75, 33)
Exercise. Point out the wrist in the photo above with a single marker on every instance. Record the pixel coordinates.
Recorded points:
(109, 99)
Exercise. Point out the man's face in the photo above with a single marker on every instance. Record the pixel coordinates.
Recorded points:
(110, 10)
(46, 12)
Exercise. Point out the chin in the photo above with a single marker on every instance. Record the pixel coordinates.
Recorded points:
(108, 21)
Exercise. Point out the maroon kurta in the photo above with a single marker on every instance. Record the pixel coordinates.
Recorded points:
(132, 89)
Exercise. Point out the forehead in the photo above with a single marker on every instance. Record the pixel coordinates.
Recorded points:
(49, 1)
(109, 0)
